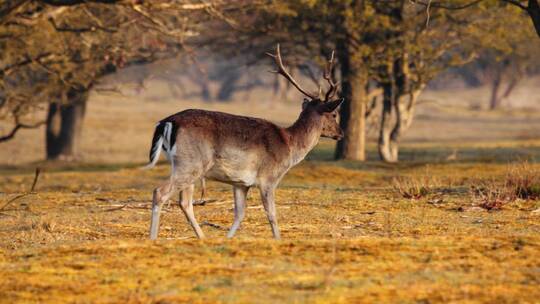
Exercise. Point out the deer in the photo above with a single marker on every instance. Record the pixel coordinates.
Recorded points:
(244, 152)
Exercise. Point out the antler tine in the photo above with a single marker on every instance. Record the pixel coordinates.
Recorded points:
(281, 70)
(328, 76)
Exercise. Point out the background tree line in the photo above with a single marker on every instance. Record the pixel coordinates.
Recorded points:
(55, 52)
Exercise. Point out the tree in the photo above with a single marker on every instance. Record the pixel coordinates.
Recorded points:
(415, 51)
(386, 44)
(56, 51)
(390, 46)
(531, 7)
(341, 25)
(503, 62)
(418, 50)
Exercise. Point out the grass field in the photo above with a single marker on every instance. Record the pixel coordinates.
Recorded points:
(350, 234)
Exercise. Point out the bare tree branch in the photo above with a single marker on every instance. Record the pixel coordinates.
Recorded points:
(532, 8)
(19, 126)
(516, 3)
(8, 68)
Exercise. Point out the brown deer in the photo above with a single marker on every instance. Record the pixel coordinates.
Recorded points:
(242, 151)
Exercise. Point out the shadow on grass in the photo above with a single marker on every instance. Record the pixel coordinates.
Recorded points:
(61, 166)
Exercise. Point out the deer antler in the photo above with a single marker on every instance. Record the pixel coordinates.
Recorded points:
(328, 76)
(282, 72)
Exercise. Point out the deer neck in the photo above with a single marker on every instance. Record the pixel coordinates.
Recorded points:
(305, 134)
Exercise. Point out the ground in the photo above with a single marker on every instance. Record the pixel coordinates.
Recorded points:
(348, 235)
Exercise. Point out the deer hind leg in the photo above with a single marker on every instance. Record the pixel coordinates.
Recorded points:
(186, 204)
(161, 194)
(203, 188)
(267, 196)
(240, 193)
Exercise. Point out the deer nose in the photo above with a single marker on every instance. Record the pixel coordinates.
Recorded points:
(339, 136)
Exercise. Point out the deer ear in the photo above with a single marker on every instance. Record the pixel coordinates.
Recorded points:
(305, 103)
(330, 106)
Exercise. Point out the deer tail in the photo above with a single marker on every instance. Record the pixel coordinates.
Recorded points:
(161, 139)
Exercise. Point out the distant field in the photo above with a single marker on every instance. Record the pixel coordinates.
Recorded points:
(349, 235)
(118, 129)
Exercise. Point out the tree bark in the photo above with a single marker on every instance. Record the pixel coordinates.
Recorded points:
(533, 8)
(404, 107)
(353, 110)
(511, 86)
(228, 85)
(400, 97)
(280, 88)
(494, 100)
(64, 126)
(205, 91)
(386, 125)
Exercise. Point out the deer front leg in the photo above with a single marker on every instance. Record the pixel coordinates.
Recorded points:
(239, 208)
(161, 194)
(267, 197)
(186, 204)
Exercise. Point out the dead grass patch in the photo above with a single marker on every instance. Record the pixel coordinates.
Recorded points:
(521, 181)
(524, 181)
(414, 187)
(491, 195)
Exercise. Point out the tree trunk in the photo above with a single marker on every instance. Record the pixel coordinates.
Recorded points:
(533, 8)
(353, 111)
(511, 86)
(516, 78)
(404, 118)
(386, 125)
(400, 96)
(64, 126)
(205, 91)
(494, 100)
(228, 85)
(280, 88)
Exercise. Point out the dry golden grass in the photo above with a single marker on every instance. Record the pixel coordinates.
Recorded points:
(521, 181)
(83, 238)
(348, 236)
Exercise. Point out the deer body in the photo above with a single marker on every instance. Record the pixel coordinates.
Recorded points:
(242, 151)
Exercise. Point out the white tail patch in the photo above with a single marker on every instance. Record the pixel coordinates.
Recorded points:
(164, 141)
(167, 133)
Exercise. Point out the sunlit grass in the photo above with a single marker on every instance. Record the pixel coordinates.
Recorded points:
(348, 236)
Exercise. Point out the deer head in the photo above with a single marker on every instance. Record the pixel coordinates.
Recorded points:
(325, 107)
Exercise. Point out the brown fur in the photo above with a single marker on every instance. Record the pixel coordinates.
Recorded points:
(224, 129)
